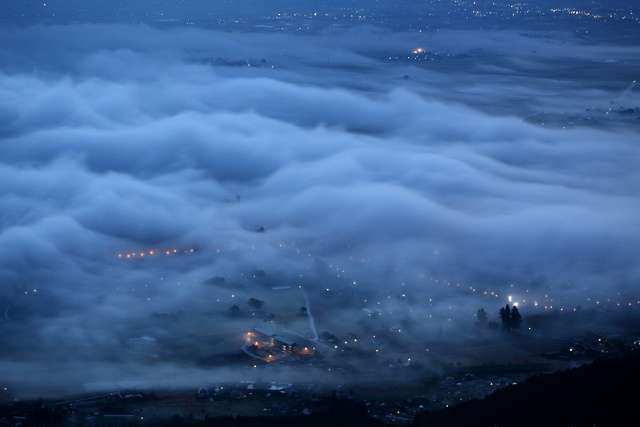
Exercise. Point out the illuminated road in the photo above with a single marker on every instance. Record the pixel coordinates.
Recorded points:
(312, 323)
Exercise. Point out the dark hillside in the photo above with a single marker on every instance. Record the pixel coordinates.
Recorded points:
(604, 393)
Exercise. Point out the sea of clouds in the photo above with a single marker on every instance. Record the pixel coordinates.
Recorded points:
(117, 140)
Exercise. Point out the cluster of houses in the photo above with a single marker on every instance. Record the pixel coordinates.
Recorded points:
(592, 345)
(455, 390)
(243, 389)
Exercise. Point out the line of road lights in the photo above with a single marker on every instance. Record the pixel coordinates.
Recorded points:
(151, 253)
(175, 251)
(535, 303)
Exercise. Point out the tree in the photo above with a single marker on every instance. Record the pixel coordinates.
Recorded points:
(255, 303)
(516, 318)
(303, 311)
(505, 316)
(234, 310)
(482, 316)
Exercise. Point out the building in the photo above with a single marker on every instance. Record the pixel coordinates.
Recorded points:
(274, 342)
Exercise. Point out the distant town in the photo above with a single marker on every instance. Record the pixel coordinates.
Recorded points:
(420, 16)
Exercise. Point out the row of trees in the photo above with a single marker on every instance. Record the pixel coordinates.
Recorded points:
(510, 317)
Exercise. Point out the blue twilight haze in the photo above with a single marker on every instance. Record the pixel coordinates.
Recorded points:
(425, 172)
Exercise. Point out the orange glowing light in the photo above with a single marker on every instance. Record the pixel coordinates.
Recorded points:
(167, 252)
(150, 252)
(128, 256)
(119, 255)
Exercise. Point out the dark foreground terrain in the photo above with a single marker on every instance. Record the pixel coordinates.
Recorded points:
(602, 393)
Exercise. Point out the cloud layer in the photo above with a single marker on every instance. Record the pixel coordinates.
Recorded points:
(119, 140)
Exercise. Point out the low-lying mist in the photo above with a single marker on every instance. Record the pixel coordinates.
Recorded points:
(411, 192)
